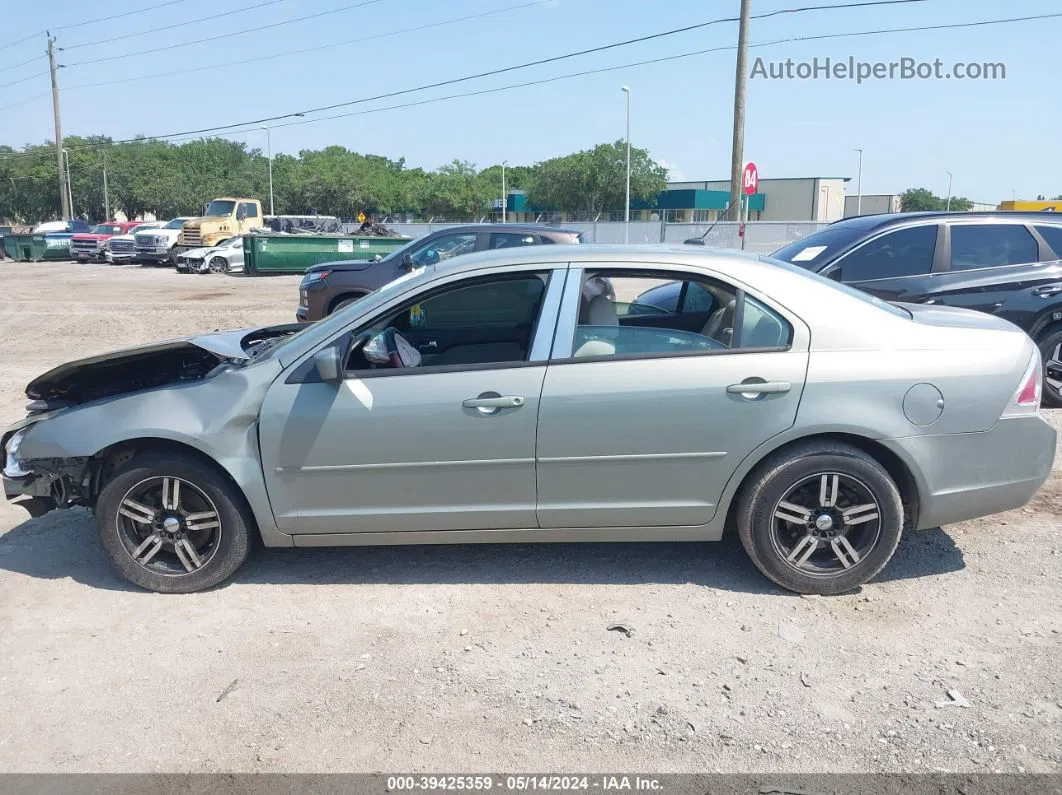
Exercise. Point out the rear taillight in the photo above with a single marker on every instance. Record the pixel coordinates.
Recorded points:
(1027, 398)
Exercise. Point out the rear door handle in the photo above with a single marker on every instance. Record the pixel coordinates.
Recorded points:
(760, 388)
(1048, 290)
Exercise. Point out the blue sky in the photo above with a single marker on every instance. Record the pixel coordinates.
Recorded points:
(995, 137)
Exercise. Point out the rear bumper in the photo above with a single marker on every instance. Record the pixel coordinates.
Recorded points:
(963, 476)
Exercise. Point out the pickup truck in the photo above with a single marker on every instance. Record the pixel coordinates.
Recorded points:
(224, 218)
(90, 246)
(156, 246)
(122, 248)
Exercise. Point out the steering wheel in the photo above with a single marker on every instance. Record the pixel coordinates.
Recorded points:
(391, 338)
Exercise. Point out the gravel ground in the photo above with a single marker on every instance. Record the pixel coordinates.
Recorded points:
(498, 658)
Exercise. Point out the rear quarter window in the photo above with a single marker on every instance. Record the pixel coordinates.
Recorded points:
(1053, 236)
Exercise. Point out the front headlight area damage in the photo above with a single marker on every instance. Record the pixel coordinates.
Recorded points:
(43, 484)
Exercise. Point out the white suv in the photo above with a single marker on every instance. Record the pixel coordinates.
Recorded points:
(156, 246)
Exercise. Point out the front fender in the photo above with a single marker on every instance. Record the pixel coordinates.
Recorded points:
(217, 418)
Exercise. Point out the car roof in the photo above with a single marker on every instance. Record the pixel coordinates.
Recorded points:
(986, 216)
(649, 253)
(484, 227)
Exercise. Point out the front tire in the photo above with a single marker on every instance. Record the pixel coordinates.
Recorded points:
(820, 518)
(1051, 352)
(172, 524)
(218, 265)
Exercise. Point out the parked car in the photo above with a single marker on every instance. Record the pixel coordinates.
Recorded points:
(73, 226)
(487, 399)
(224, 257)
(89, 246)
(122, 248)
(329, 286)
(156, 247)
(1003, 263)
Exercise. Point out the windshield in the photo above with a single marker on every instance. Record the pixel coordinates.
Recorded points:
(816, 249)
(844, 288)
(105, 229)
(176, 223)
(220, 208)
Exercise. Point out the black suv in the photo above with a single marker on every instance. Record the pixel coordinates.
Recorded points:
(1003, 263)
(328, 286)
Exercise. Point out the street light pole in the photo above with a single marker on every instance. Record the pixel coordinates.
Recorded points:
(505, 198)
(269, 154)
(627, 206)
(106, 195)
(948, 207)
(859, 184)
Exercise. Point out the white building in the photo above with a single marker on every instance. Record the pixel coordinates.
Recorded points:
(871, 204)
(789, 198)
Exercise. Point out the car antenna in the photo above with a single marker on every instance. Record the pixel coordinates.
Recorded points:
(726, 212)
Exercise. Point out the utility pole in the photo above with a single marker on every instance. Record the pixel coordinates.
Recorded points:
(106, 196)
(948, 208)
(63, 189)
(737, 153)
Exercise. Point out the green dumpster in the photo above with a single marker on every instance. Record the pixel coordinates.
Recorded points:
(34, 248)
(296, 253)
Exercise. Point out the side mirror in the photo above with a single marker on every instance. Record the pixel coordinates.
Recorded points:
(329, 365)
(407, 262)
(241, 212)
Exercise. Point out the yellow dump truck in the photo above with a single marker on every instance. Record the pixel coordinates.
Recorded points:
(1022, 206)
(225, 217)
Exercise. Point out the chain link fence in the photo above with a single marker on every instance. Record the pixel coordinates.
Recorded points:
(762, 237)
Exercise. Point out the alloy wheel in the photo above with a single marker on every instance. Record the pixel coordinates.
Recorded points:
(826, 524)
(169, 526)
(219, 265)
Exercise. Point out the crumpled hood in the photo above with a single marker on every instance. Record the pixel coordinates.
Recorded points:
(198, 253)
(147, 366)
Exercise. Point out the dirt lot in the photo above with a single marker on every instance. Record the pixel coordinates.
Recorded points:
(498, 658)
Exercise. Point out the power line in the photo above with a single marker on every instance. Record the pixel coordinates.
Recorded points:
(24, 79)
(88, 22)
(21, 63)
(168, 28)
(221, 36)
(252, 125)
(306, 50)
(24, 101)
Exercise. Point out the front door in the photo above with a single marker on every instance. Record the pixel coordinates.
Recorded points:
(897, 265)
(441, 439)
(643, 424)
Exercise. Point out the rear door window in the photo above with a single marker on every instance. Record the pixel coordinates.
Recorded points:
(1053, 236)
(905, 252)
(991, 245)
(512, 239)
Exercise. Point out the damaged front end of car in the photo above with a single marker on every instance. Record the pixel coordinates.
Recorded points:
(62, 452)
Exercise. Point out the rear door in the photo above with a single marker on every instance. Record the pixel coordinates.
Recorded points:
(642, 425)
(896, 265)
(993, 268)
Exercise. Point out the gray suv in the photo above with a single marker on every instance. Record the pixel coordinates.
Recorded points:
(328, 286)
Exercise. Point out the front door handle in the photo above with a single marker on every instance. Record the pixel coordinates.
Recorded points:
(492, 402)
(1048, 290)
(760, 388)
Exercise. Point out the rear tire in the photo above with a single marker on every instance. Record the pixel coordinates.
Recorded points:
(1051, 352)
(201, 527)
(845, 518)
(345, 302)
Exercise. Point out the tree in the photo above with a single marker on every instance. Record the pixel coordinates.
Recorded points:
(594, 181)
(920, 199)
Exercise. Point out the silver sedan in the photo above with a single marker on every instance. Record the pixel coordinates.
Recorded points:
(494, 398)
